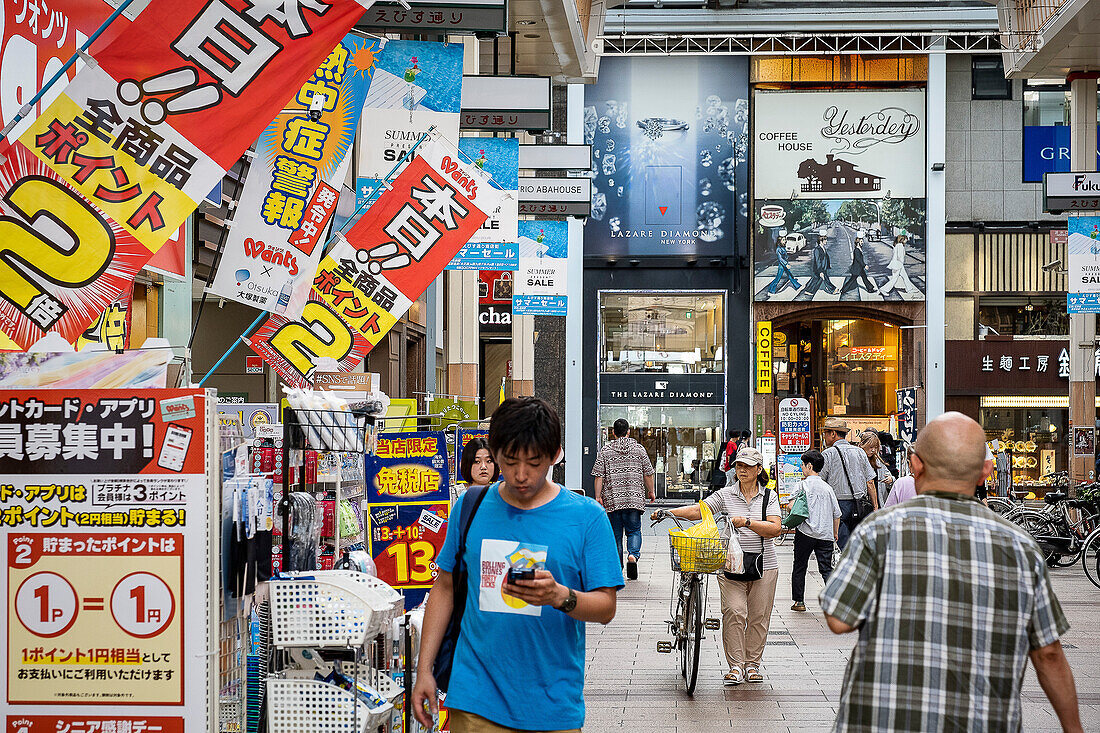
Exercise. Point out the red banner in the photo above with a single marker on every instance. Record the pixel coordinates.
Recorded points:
(143, 136)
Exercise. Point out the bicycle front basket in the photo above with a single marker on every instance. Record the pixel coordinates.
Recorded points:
(696, 554)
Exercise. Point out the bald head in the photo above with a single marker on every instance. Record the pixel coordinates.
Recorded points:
(951, 453)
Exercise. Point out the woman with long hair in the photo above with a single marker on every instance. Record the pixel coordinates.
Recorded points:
(884, 480)
(753, 510)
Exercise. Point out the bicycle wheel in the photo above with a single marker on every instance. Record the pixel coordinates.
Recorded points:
(1090, 558)
(694, 628)
(1039, 526)
(680, 622)
(1000, 505)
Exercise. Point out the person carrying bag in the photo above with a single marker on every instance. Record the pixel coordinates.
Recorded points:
(754, 515)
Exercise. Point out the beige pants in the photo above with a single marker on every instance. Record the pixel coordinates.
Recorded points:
(463, 722)
(746, 615)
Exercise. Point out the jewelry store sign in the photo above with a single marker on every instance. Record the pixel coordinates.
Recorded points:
(662, 389)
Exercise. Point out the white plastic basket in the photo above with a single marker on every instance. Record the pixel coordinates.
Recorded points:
(309, 706)
(330, 608)
(381, 681)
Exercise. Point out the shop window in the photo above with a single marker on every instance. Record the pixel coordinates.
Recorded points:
(1048, 104)
(848, 68)
(861, 367)
(1034, 438)
(987, 78)
(682, 442)
(1014, 316)
(670, 334)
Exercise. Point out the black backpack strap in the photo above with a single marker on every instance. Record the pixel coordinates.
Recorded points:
(764, 504)
(473, 498)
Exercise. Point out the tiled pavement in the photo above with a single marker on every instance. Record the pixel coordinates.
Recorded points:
(630, 686)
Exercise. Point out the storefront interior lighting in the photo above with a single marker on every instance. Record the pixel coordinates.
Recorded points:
(1029, 307)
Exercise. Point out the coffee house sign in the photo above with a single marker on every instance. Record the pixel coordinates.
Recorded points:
(662, 389)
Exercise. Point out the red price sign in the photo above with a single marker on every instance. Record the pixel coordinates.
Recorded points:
(405, 540)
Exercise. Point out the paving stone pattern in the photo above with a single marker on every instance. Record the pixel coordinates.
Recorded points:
(630, 686)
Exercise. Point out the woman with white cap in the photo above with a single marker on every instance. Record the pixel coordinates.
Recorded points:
(747, 598)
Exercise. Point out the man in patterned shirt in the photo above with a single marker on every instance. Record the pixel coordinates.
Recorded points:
(624, 481)
(950, 601)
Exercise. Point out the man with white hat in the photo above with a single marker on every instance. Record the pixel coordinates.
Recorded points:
(848, 470)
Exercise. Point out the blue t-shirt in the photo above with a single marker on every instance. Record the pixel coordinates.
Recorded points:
(516, 665)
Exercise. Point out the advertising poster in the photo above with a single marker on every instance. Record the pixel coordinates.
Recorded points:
(494, 245)
(405, 540)
(409, 467)
(1046, 150)
(794, 425)
(839, 186)
(400, 246)
(669, 141)
(112, 329)
(790, 473)
(1083, 255)
(292, 347)
(407, 505)
(251, 414)
(293, 184)
(907, 414)
(135, 142)
(540, 288)
(494, 301)
(417, 84)
(104, 540)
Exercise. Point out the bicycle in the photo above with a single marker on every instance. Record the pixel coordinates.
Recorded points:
(689, 595)
(1091, 548)
(1061, 538)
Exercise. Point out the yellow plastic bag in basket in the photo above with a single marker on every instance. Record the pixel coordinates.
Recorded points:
(699, 547)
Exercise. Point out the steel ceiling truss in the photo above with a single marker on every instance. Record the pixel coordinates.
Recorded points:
(809, 44)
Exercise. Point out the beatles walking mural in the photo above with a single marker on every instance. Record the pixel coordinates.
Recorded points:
(840, 208)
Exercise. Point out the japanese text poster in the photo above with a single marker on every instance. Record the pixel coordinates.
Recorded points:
(540, 283)
(293, 184)
(136, 140)
(103, 531)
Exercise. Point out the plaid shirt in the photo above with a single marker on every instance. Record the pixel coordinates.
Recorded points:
(949, 599)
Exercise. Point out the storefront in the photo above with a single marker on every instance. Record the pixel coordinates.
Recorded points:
(1018, 391)
(662, 368)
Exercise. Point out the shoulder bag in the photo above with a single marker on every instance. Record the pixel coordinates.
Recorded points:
(864, 507)
(799, 512)
(444, 660)
(754, 561)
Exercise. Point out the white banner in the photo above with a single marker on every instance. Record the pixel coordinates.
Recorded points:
(839, 144)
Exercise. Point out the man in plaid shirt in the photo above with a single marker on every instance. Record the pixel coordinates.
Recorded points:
(950, 601)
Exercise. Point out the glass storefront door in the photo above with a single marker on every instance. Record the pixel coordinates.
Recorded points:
(682, 442)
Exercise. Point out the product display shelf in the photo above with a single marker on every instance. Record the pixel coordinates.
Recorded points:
(331, 608)
(313, 706)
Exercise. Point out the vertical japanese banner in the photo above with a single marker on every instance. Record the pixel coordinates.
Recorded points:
(140, 138)
(417, 84)
(494, 245)
(540, 282)
(103, 532)
(388, 258)
(407, 505)
(292, 187)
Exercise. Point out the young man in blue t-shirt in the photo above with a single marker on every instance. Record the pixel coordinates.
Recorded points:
(519, 661)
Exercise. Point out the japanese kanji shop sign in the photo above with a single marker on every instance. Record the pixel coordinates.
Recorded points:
(408, 502)
(103, 532)
(138, 139)
(505, 103)
(1007, 367)
(370, 279)
(293, 184)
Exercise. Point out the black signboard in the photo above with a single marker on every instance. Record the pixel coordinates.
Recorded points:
(654, 388)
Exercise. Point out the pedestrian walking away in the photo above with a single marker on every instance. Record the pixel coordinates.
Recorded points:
(746, 604)
(518, 663)
(816, 535)
(624, 483)
(950, 617)
(905, 488)
(849, 472)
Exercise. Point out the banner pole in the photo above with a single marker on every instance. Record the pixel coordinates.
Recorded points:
(240, 339)
(27, 108)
